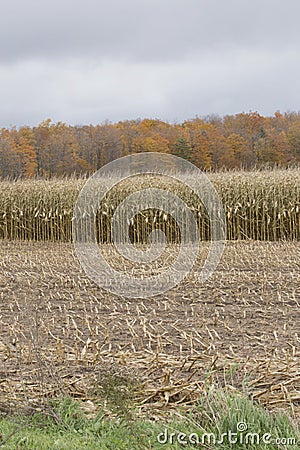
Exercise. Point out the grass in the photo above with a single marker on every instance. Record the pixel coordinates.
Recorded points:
(67, 427)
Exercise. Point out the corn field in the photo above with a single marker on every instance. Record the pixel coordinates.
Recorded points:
(62, 335)
(259, 205)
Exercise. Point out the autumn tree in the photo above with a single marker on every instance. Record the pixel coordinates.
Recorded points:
(10, 158)
(293, 137)
(245, 139)
(25, 147)
(196, 134)
(237, 146)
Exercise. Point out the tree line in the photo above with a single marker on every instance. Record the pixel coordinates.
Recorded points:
(242, 140)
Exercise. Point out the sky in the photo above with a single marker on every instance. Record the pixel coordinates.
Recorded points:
(86, 62)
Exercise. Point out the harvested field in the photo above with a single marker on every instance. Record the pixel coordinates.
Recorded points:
(60, 333)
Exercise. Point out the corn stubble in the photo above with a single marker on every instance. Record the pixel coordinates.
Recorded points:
(63, 336)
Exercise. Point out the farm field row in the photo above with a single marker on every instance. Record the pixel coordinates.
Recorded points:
(259, 205)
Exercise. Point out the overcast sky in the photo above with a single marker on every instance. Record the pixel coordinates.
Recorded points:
(85, 62)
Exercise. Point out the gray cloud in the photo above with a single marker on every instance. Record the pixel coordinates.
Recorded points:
(84, 62)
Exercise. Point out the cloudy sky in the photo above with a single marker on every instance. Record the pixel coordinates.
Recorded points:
(85, 62)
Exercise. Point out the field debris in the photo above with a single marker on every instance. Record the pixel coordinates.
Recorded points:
(61, 334)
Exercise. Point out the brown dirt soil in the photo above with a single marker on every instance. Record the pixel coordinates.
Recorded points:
(240, 330)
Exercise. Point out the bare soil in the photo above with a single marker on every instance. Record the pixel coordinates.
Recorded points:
(60, 332)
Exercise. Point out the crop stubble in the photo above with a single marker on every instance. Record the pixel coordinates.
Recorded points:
(240, 330)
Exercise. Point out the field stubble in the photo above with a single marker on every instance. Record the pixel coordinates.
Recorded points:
(60, 332)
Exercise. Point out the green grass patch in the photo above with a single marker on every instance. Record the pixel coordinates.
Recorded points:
(220, 420)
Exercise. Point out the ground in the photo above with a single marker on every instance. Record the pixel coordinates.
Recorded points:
(61, 334)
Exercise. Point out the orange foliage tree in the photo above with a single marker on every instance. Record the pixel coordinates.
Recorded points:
(212, 142)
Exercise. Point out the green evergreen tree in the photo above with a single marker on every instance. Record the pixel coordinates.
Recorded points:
(183, 149)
